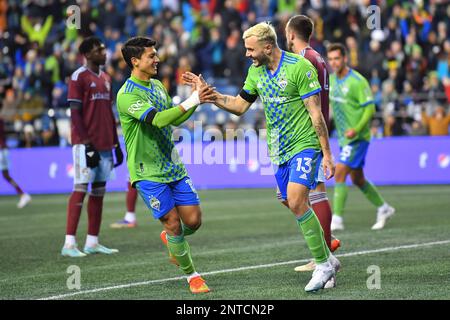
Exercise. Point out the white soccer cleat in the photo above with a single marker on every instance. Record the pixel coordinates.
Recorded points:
(330, 283)
(383, 214)
(335, 263)
(337, 223)
(25, 198)
(321, 275)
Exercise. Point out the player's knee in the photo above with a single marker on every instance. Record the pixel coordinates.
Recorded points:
(298, 205)
(358, 181)
(98, 191)
(194, 221)
(80, 188)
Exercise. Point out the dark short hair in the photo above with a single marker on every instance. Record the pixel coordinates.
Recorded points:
(135, 47)
(337, 46)
(302, 26)
(88, 44)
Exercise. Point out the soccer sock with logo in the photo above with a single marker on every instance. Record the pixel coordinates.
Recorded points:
(179, 248)
(186, 230)
(310, 226)
(74, 211)
(321, 206)
(340, 196)
(372, 194)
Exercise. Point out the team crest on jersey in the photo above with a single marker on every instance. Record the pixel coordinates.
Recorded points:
(309, 74)
(282, 82)
(154, 203)
(344, 90)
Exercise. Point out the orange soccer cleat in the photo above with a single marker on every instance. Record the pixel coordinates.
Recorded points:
(198, 285)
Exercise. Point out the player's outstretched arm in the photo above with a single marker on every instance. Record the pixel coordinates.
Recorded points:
(236, 105)
(312, 104)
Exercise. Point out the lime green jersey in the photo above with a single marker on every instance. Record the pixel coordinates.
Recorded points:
(348, 98)
(289, 126)
(151, 153)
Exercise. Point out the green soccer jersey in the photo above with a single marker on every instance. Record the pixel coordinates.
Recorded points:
(151, 153)
(348, 97)
(289, 127)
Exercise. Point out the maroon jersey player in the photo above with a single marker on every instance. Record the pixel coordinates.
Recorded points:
(94, 137)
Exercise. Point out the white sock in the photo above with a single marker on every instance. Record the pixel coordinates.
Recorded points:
(384, 206)
(91, 241)
(70, 241)
(130, 217)
(192, 275)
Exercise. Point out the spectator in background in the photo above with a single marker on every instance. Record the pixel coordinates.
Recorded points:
(437, 124)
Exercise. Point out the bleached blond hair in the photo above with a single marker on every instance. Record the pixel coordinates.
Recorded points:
(263, 31)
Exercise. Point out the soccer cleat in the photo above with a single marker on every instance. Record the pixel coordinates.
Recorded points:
(25, 199)
(99, 249)
(198, 285)
(310, 266)
(330, 283)
(337, 223)
(172, 259)
(383, 215)
(335, 243)
(121, 224)
(72, 251)
(335, 263)
(320, 277)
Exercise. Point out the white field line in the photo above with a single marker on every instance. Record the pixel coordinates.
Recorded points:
(261, 266)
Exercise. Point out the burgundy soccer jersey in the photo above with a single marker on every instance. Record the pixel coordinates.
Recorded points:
(323, 73)
(93, 91)
(2, 135)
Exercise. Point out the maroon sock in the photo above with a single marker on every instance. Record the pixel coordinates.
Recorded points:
(12, 182)
(131, 198)
(74, 211)
(323, 212)
(95, 208)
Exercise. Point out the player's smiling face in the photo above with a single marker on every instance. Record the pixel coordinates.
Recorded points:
(148, 63)
(256, 51)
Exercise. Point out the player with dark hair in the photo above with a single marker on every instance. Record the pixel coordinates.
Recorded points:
(353, 106)
(299, 30)
(156, 171)
(94, 136)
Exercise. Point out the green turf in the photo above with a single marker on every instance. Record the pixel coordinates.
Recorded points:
(241, 228)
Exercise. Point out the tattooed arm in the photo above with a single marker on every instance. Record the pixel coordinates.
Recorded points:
(312, 104)
(236, 105)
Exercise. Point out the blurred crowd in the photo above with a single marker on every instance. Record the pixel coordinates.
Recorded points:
(406, 59)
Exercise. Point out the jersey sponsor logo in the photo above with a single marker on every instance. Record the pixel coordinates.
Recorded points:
(155, 203)
(314, 84)
(135, 106)
(274, 99)
(100, 96)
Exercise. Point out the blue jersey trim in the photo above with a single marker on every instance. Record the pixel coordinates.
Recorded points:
(142, 118)
(279, 66)
(140, 86)
(367, 103)
(340, 81)
(311, 93)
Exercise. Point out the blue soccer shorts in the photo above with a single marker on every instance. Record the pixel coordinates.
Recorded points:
(160, 198)
(303, 168)
(354, 154)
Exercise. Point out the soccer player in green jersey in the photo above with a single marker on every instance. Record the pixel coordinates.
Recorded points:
(146, 113)
(353, 107)
(296, 132)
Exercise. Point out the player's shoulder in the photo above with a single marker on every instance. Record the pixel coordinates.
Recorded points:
(79, 73)
(357, 76)
(296, 61)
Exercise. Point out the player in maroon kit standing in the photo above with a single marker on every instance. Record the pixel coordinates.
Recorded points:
(94, 136)
(25, 198)
(298, 34)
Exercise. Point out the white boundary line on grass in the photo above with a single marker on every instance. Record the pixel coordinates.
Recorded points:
(143, 283)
